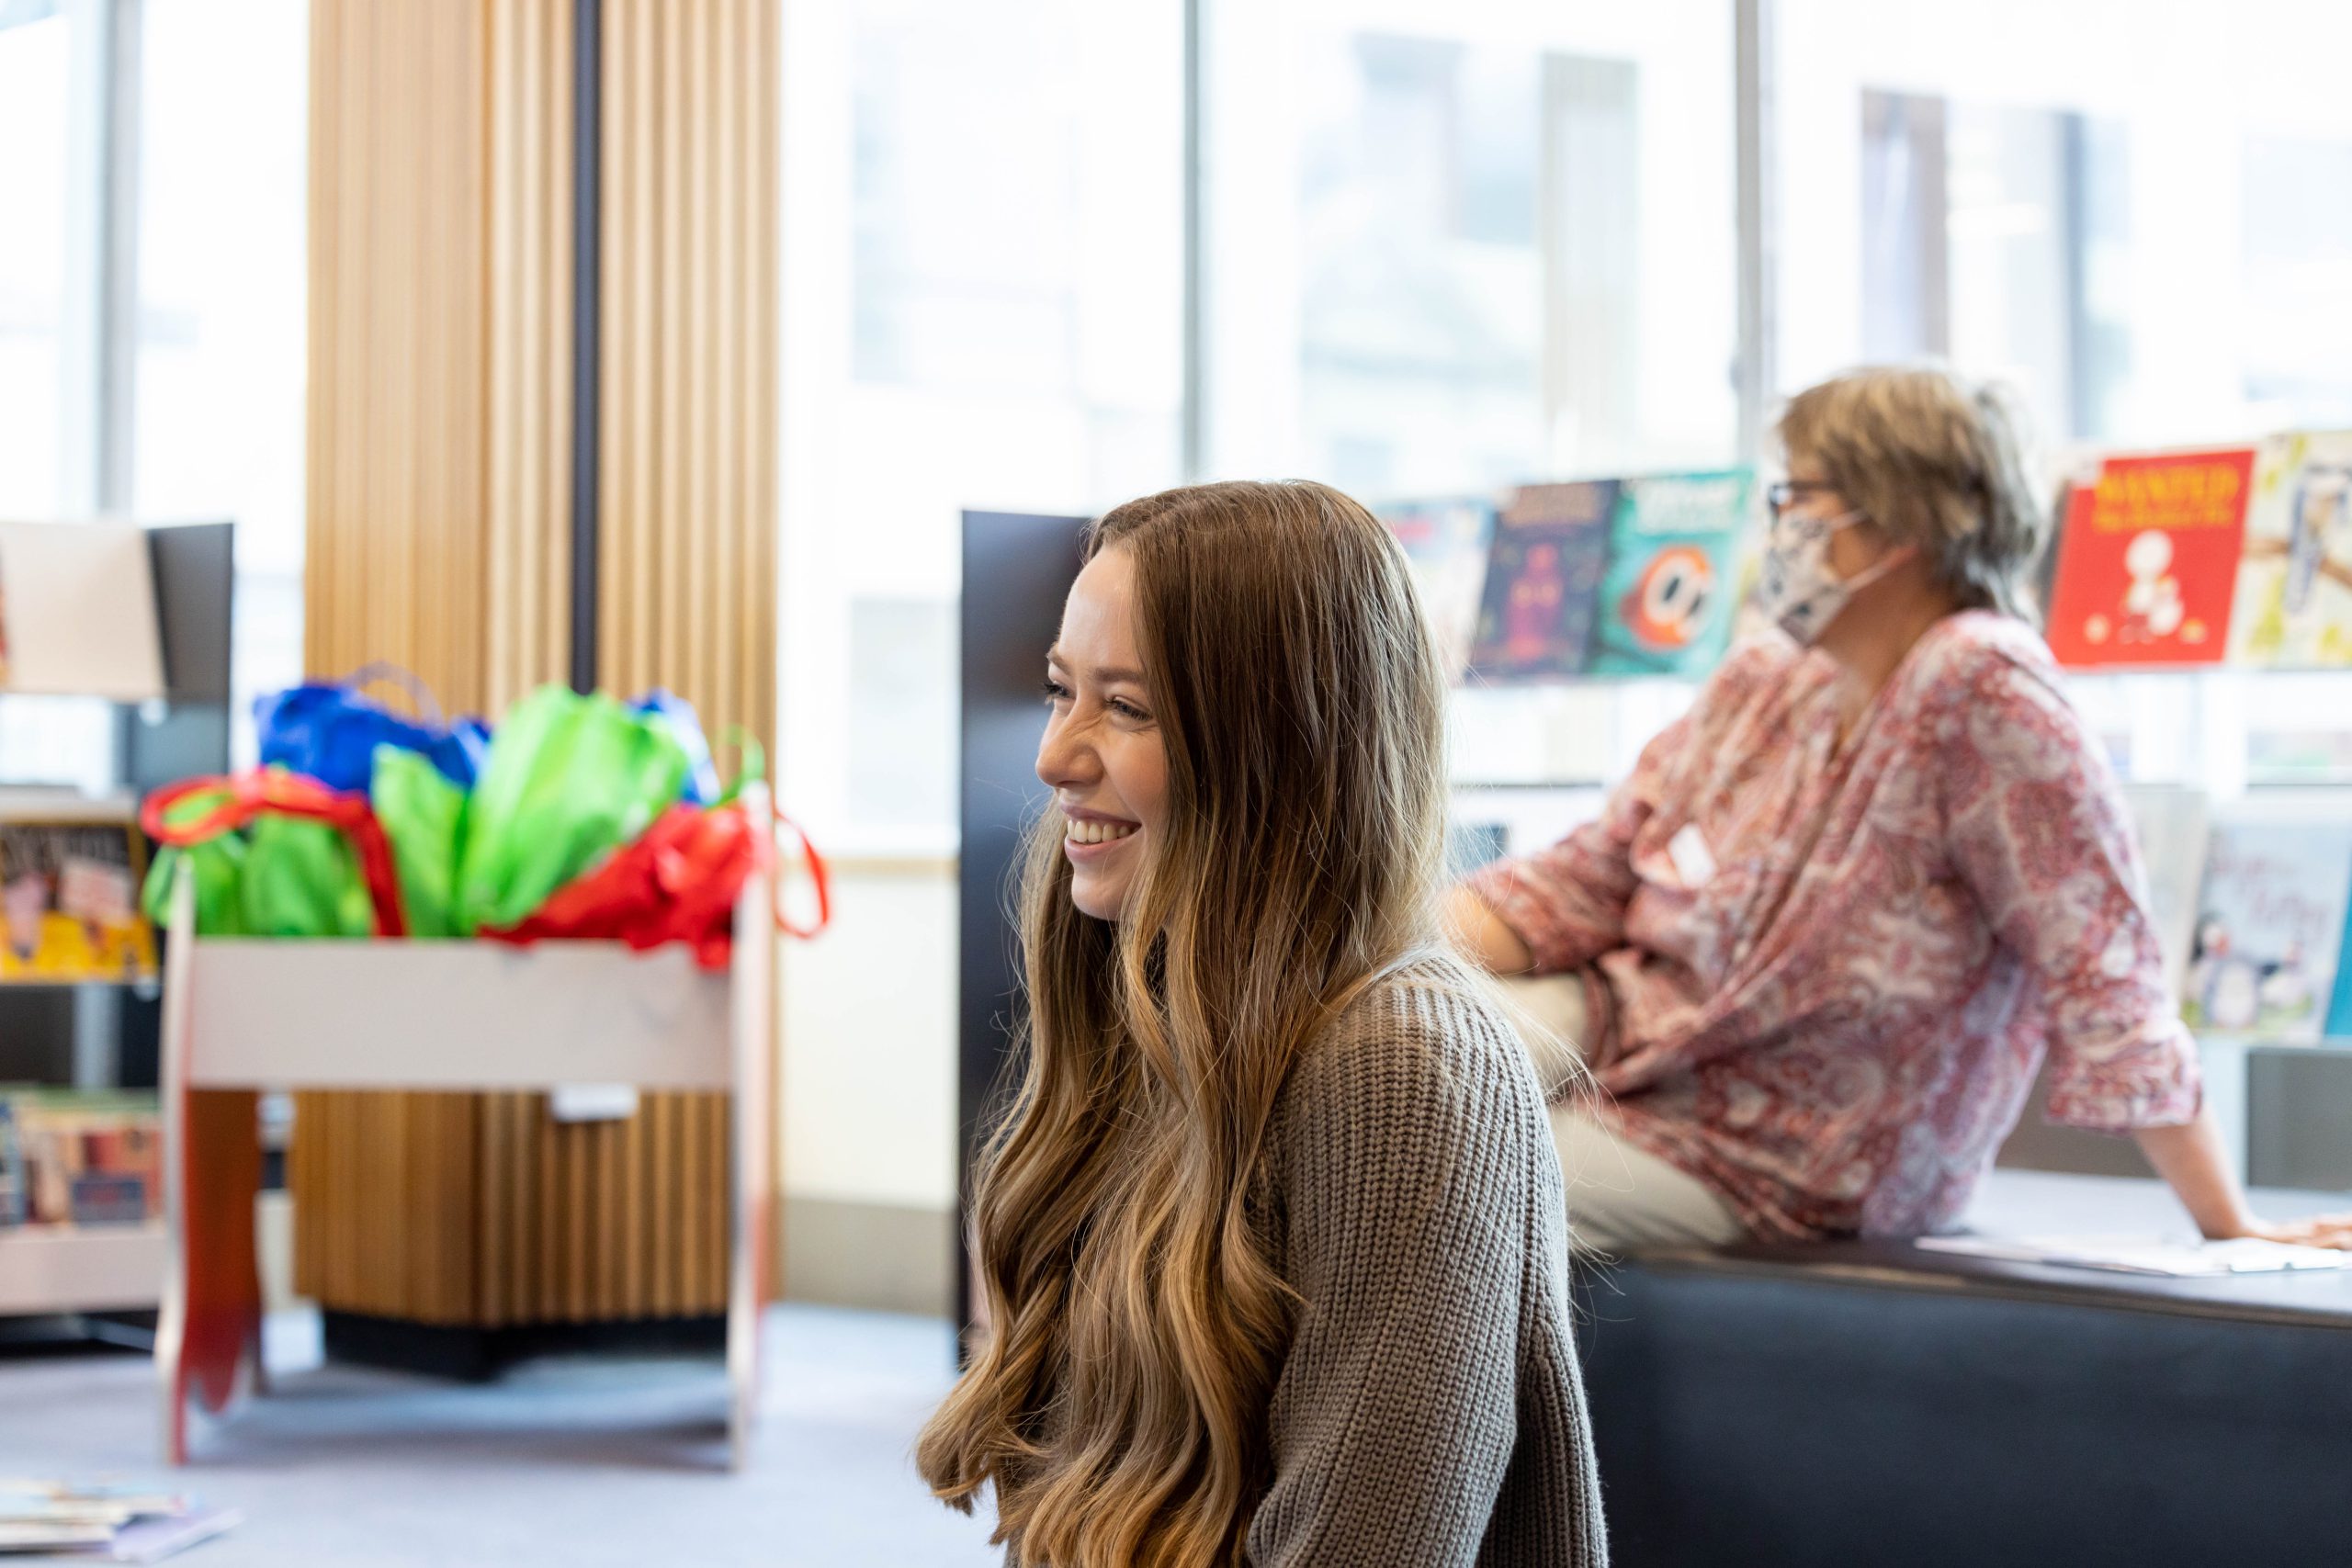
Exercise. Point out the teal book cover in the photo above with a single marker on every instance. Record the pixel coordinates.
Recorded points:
(2339, 1010)
(1667, 596)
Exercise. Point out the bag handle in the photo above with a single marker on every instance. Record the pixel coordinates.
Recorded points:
(819, 874)
(421, 700)
(752, 762)
(228, 803)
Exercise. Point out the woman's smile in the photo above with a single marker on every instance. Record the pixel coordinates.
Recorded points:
(1089, 838)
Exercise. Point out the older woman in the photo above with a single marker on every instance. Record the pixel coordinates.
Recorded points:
(1822, 937)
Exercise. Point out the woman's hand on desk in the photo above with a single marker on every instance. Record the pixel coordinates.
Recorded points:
(2320, 1230)
(2190, 1159)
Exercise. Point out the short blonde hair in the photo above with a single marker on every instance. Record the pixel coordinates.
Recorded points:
(1936, 462)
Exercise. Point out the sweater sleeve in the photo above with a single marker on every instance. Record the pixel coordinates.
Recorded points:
(1406, 1182)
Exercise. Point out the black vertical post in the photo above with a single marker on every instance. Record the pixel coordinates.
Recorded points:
(1017, 571)
(587, 183)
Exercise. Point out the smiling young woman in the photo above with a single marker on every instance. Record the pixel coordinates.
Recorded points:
(1272, 1238)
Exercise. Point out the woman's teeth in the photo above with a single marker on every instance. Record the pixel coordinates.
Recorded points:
(1097, 832)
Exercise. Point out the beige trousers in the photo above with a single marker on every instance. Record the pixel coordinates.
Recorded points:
(1619, 1197)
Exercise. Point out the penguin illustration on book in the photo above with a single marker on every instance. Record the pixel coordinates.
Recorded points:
(1667, 603)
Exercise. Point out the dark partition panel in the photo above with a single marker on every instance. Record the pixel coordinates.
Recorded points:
(1017, 571)
(195, 582)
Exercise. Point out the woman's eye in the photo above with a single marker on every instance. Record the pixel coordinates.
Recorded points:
(1054, 691)
(1126, 709)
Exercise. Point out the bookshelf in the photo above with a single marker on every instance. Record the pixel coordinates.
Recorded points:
(115, 678)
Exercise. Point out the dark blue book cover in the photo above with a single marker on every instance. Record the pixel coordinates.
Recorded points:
(1544, 582)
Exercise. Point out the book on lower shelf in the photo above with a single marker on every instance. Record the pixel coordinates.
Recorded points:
(79, 1157)
(2270, 922)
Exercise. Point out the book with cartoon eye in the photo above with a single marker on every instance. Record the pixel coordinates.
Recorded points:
(1667, 596)
(2148, 559)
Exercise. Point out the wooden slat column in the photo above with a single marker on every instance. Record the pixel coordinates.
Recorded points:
(689, 324)
(406, 428)
(440, 492)
(686, 596)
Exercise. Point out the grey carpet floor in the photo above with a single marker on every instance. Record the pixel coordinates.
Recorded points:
(574, 1462)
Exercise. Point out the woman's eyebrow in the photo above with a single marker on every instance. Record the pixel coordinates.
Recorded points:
(1102, 674)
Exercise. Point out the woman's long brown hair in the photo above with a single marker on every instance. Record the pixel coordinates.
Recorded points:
(1119, 1405)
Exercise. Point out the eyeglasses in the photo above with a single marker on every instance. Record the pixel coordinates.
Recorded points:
(1783, 495)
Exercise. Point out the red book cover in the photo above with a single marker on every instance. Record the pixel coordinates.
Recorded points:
(2148, 562)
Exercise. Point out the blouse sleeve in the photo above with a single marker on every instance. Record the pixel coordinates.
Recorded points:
(2038, 829)
(1394, 1414)
(1568, 902)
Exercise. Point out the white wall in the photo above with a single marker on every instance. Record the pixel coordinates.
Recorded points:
(869, 1042)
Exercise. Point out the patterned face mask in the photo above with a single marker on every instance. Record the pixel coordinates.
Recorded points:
(1797, 586)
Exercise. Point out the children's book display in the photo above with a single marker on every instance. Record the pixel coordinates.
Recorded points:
(1637, 576)
(2270, 924)
(2238, 554)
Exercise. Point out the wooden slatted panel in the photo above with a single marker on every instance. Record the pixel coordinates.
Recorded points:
(440, 497)
(687, 589)
(399, 445)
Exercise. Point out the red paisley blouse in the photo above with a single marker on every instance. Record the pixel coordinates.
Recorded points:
(1824, 979)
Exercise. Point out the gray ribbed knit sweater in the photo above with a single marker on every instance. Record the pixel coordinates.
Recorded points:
(1429, 1410)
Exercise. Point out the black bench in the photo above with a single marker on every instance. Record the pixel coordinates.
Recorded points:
(1871, 1403)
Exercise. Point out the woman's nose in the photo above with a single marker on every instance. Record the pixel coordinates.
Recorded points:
(1065, 760)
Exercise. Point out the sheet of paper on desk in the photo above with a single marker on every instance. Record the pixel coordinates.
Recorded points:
(2144, 1255)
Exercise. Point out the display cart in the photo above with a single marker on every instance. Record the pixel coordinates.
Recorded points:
(246, 1015)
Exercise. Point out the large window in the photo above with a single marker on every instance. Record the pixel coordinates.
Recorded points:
(2140, 215)
(983, 308)
(1457, 246)
(218, 428)
(2142, 223)
(1453, 248)
(50, 107)
(152, 186)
